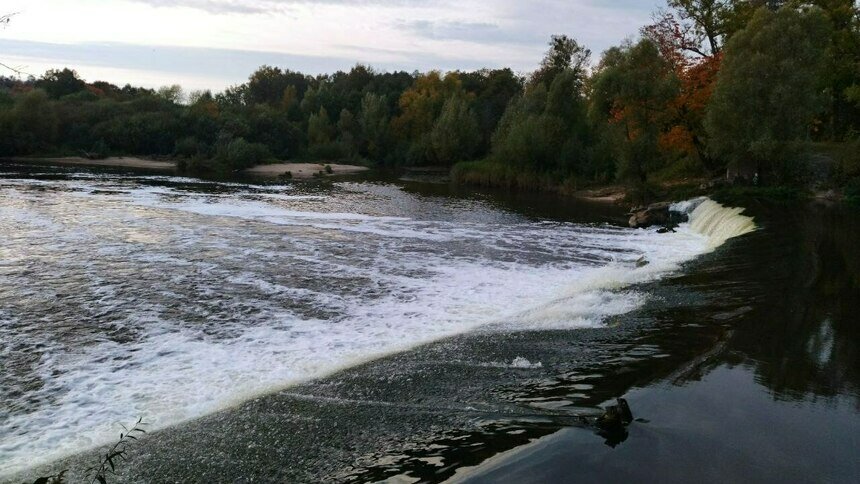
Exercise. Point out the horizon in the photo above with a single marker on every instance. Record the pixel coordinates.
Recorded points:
(214, 44)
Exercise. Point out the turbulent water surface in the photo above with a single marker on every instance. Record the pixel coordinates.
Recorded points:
(171, 298)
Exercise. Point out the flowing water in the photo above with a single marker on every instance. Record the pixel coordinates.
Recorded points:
(124, 295)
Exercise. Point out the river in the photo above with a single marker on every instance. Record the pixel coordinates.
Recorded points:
(387, 320)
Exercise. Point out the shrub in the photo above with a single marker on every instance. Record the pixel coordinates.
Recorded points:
(240, 154)
(186, 147)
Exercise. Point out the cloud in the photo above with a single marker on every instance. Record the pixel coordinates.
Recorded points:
(269, 6)
(223, 66)
(478, 32)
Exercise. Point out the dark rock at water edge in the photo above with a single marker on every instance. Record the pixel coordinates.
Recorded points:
(616, 416)
(655, 214)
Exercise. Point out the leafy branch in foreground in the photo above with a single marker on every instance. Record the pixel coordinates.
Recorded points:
(107, 466)
(118, 450)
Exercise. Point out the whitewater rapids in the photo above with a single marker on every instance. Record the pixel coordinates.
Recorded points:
(171, 298)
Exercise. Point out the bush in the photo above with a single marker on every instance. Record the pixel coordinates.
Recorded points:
(186, 147)
(240, 154)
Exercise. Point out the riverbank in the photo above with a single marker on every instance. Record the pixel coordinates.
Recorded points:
(828, 181)
(282, 171)
(304, 171)
(111, 162)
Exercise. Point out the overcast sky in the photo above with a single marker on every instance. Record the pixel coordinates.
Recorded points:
(216, 43)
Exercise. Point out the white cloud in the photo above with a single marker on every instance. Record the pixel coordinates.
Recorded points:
(407, 34)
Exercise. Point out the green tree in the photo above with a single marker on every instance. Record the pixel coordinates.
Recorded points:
(455, 135)
(347, 132)
(420, 105)
(843, 69)
(30, 126)
(320, 129)
(58, 83)
(564, 54)
(630, 97)
(373, 122)
(267, 85)
(172, 93)
(769, 89)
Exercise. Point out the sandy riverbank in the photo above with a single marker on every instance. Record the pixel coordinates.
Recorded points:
(611, 194)
(303, 170)
(115, 161)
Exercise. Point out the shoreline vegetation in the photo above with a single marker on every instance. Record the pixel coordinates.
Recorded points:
(691, 104)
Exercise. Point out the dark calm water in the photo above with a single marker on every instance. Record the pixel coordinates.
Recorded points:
(475, 335)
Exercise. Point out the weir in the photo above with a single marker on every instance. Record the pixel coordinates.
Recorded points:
(716, 222)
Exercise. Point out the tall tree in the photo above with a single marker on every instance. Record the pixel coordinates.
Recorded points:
(320, 129)
(564, 53)
(58, 83)
(373, 121)
(770, 89)
(630, 95)
(455, 136)
(347, 131)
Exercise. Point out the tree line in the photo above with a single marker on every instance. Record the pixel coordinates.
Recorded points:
(710, 85)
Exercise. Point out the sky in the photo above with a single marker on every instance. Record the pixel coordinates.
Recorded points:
(212, 44)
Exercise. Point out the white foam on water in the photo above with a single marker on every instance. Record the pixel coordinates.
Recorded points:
(687, 206)
(520, 362)
(241, 296)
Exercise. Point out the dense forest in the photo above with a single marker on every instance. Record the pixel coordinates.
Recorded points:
(753, 86)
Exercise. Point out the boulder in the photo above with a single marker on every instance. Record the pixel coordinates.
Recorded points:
(616, 416)
(654, 214)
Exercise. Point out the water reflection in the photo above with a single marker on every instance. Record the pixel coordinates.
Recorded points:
(803, 340)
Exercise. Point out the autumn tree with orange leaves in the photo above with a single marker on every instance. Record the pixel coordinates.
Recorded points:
(690, 39)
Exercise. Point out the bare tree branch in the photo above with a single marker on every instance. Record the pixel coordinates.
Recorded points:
(4, 22)
(5, 19)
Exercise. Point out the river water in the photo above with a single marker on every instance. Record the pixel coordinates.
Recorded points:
(125, 295)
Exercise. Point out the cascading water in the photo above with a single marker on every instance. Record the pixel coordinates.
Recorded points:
(715, 221)
(170, 298)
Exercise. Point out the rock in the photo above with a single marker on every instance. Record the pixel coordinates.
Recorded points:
(616, 416)
(654, 214)
(626, 414)
(612, 425)
(642, 262)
